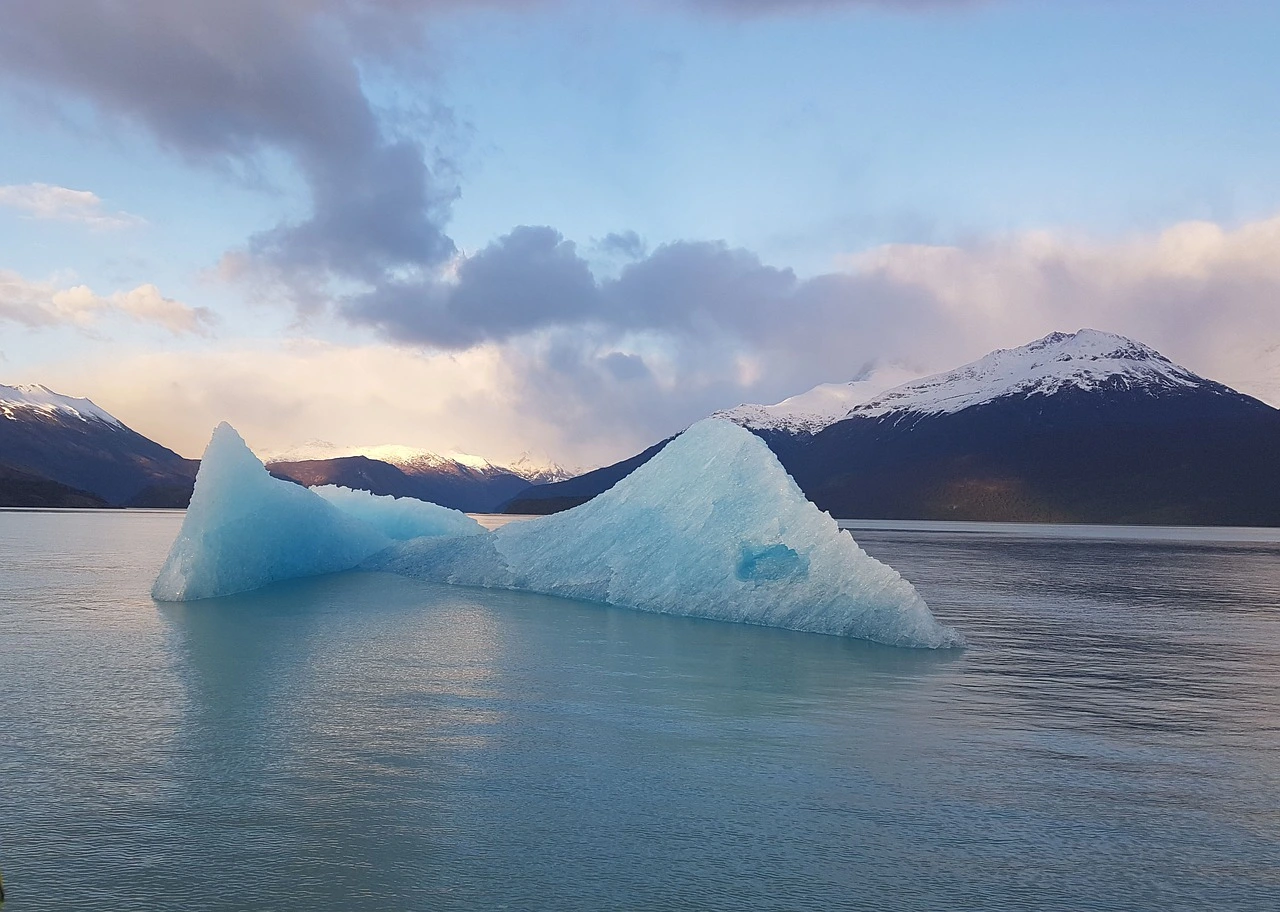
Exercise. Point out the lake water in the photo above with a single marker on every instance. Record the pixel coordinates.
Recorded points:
(1109, 740)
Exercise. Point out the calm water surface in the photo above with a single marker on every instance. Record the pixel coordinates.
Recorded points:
(1109, 740)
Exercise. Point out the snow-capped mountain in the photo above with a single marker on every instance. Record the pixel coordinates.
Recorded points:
(458, 480)
(1075, 427)
(1085, 360)
(56, 438)
(416, 461)
(35, 400)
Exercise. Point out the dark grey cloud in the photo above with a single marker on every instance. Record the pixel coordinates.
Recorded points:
(225, 82)
(529, 279)
(625, 244)
(533, 279)
(222, 82)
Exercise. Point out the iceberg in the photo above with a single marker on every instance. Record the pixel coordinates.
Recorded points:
(711, 527)
(245, 529)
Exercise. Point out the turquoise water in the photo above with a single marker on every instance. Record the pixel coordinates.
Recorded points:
(1110, 740)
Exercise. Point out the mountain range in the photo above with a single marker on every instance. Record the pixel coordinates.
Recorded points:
(60, 451)
(456, 480)
(1075, 427)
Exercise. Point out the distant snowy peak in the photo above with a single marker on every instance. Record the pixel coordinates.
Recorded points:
(542, 471)
(34, 399)
(413, 460)
(826, 404)
(1086, 360)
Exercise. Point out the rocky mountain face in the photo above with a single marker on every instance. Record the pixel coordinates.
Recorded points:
(1074, 427)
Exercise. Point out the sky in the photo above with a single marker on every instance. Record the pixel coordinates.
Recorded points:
(573, 228)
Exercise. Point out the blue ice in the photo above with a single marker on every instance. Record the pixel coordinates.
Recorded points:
(711, 527)
(245, 529)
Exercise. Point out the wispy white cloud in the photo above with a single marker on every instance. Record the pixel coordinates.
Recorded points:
(53, 203)
(45, 303)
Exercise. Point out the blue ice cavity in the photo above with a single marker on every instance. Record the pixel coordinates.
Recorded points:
(711, 527)
(245, 529)
(770, 562)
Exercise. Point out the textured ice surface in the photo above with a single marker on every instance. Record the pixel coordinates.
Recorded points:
(712, 527)
(400, 518)
(245, 529)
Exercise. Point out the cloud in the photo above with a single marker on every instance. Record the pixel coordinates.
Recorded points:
(1204, 294)
(281, 394)
(222, 83)
(231, 82)
(47, 202)
(793, 7)
(696, 326)
(569, 357)
(44, 304)
(625, 244)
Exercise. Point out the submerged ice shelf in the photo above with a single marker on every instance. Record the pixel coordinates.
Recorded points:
(712, 527)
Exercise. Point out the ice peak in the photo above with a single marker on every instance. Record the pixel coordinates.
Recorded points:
(1088, 359)
(34, 397)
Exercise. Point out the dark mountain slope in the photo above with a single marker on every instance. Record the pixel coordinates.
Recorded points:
(1196, 457)
(24, 489)
(473, 492)
(74, 443)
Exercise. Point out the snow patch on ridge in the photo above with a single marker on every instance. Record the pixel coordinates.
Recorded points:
(1086, 360)
(32, 397)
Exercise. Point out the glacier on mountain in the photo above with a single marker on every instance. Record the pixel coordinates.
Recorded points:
(713, 527)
